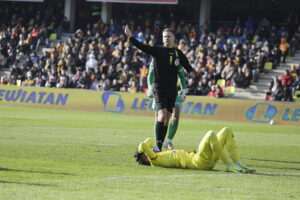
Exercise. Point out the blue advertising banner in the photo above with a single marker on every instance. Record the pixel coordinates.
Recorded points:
(140, 104)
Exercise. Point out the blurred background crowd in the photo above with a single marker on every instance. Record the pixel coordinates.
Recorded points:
(99, 57)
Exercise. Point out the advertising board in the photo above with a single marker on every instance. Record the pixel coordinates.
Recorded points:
(139, 104)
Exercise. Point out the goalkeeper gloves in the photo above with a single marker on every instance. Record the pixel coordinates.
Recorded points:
(182, 95)
(150, 91)
(235, 168)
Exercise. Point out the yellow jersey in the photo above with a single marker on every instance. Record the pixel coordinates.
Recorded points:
(175, 158)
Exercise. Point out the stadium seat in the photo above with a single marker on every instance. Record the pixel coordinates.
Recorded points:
(229, 91)
(53, 36)
(19, 82)
(268, 65)
(255, 38)
(221, 83)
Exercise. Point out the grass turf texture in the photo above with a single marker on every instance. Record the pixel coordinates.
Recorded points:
(58, 154)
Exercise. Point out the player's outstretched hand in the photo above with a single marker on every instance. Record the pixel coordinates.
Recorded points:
(128, 31)
(182, 95)
(150, 92)
(235, 169)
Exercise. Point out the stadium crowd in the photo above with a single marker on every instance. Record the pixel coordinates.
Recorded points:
(99, 57)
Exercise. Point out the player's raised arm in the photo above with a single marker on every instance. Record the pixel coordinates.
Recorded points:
(185, 62)
(145, 48)
(146, 147)
(128, 32)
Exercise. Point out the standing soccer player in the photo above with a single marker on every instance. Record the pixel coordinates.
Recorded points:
(176, 111)
(169, 61)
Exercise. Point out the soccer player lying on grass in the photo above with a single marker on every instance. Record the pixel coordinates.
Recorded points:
(209, 151)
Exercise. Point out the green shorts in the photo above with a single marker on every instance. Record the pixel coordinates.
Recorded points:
(154, 107)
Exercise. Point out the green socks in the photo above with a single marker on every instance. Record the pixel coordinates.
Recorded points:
(172, 130)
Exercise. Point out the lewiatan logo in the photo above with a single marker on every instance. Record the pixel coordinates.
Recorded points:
(113, 102)
(33, 97)
(261, 112)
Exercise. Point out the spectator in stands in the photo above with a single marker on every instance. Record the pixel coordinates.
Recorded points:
(202, 89)
(295, 74)
(34, 57)
(274, 86)
(2, 57)
(84, 81)
(293, 46)
(115, 86)
(132, 88)
(247, 71)
(15, 74)
(286, 79)
(143, 77)
(284, 47)
(91, 63)
(191, 87)
(52, 78)
(63, 80)
(239, 79)
(228, 71)
(286, 82)
(274, 57)
(216, 91)
(29, 81)
(287, 94)
(228, 53)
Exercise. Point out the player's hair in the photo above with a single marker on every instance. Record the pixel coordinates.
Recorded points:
(140, 158)
(168, 30)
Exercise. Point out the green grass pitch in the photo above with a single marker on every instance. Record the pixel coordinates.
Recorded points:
(59, 154)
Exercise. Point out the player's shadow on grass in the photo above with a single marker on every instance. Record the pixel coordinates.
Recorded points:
(281, 168)
(27, 183)
(280, 161)
(276, 175)
(38, 172)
